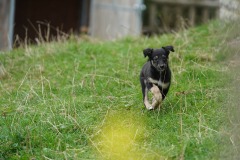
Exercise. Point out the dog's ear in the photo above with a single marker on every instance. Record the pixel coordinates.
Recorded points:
(147, 52)
(168, 48)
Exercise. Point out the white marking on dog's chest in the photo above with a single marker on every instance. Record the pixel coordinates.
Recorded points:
(159, 83)
(163, 85)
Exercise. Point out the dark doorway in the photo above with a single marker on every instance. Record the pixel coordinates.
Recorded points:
(47, 19)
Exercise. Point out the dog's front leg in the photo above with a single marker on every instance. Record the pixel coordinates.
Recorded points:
(146, 102)
(157, 96)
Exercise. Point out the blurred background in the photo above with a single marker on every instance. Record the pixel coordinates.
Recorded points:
(32, 21)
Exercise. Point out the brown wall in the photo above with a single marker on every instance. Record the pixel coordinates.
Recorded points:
(33, 16)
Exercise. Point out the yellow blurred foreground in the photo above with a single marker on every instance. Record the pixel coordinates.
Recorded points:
(122, 138)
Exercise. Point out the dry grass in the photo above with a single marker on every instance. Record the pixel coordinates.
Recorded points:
(81, 99)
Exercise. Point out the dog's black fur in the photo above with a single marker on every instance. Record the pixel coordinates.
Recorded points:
(156, 75)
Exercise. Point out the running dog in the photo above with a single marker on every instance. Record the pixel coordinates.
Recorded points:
(155, 76)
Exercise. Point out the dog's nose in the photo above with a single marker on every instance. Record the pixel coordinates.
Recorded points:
(162, 66)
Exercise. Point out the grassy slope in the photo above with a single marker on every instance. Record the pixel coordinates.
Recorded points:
(78, 99)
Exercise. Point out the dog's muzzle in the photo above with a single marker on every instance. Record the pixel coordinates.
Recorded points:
(161, 67)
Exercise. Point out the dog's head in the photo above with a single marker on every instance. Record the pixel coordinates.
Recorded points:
(158, 57)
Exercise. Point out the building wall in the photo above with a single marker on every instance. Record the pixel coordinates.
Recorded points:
(6, 24)
(111, 19)
(229, 9)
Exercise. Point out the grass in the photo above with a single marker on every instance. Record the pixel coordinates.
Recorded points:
(81, 99)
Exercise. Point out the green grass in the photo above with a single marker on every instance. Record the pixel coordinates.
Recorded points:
(81, 99)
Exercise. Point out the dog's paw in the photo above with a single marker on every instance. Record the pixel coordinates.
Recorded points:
(150, 108)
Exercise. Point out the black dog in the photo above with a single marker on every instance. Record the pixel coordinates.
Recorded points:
(156, 76)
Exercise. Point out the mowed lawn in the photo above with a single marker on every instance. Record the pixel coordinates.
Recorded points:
(81, 99)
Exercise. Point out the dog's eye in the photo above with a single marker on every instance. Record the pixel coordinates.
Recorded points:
(164, 59)
(155, 58)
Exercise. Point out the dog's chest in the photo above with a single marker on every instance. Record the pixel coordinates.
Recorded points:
(163, 85)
